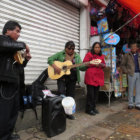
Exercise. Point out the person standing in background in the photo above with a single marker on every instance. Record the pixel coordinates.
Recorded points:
(131, 66)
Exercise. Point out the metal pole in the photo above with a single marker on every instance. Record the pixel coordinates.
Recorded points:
(123, 26)
(111, 66)
(111, 84)
(127, 23)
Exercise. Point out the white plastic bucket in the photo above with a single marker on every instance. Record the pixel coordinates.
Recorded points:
(69, 105)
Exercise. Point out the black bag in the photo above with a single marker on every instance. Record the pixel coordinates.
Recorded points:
(33, 94)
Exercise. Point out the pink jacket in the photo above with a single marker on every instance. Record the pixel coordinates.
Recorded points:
(94, 75)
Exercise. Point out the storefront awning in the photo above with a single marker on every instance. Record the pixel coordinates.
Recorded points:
(132, 5)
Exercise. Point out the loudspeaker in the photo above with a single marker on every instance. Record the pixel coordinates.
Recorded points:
(53, 116)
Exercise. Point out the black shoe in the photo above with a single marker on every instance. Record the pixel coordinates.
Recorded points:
(96, 111)
(130, 107)
(91, 112)
(71, 117)
(15, 137)
(137, 107)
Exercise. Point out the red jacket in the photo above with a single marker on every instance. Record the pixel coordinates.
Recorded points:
(94, 75)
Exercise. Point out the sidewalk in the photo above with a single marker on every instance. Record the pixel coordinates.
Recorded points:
(114, 123)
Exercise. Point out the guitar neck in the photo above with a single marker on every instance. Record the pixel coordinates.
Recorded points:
(78, 65)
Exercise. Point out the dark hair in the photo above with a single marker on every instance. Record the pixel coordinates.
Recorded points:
(10, 25)
(69, 44)
(92, 49)
(132, 43)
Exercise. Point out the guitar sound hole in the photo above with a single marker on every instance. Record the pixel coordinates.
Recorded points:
(64, 68)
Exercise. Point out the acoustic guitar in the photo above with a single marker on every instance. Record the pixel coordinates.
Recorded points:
(18, 56)
(65, 68)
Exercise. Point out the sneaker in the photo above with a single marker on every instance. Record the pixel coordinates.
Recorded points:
(130, 107)
(15, 137)
(137, 107)
(71, 117)
(91, 112)
(96, 111)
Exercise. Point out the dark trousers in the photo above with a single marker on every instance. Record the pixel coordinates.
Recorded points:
(92, 95)
(9, 106)
(66, 87)
(21, 92)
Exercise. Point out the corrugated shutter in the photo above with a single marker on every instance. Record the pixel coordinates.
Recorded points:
(74, 2)
(47, 26)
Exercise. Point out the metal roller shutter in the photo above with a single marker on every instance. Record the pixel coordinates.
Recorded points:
(74, 2)
(47, 25)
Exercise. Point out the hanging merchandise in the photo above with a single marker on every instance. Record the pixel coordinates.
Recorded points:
(124, 80)
(111, 38)
(117, 84)
(100, 14)
(93, 30)
(93, 11)
(102, 25)
(120, 83)
(134, 24)
(107, 52)
(125, 48)
(111, 8)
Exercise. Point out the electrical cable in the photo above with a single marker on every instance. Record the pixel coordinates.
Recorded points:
(3, 95)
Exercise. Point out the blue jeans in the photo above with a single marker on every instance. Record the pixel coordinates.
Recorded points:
(134, 82)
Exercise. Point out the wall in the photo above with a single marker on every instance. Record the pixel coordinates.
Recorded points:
(84, 35)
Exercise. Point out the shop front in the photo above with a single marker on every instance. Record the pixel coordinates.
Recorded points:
(117, 17)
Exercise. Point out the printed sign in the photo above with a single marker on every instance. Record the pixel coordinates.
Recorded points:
(102, 25)
(125, 48)
(111, 38)
(107, 52)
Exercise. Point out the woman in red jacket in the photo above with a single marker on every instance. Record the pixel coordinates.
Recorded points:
(94, 77)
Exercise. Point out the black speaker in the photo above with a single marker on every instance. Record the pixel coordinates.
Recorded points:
(53, 116)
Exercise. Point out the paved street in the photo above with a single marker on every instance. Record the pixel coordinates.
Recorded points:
(123, 125)
(114, 123)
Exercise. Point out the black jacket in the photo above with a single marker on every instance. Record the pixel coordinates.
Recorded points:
(9, 69)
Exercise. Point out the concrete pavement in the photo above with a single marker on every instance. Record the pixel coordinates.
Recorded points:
(114, 123)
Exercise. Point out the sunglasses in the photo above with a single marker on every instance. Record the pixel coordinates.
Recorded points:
(71, 49)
